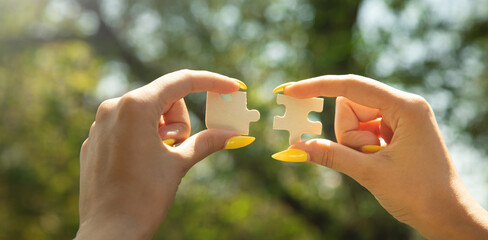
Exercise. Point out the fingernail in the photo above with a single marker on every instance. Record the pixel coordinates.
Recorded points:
(169, 142)
(281, 87)
(371, 148)
(238, 142)
(291, 155)
(242, 85)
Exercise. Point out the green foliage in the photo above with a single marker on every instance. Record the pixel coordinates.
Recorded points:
(60, 58)
(46, 113)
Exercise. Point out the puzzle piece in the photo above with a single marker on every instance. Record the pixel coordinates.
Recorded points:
(295, 120)
(231, 114)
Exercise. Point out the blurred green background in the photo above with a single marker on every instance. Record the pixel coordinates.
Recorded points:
(60, 58)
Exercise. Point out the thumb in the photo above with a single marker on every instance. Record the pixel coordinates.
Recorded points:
(336, 156)
(204, 143)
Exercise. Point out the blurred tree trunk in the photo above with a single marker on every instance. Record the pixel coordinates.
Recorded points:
(331, 38)
(332, 45)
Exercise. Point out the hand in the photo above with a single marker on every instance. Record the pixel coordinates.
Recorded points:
(413, 178)
(128, 177)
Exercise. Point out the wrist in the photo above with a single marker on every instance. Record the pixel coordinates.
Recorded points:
(134, 216)
(111, 229)
(457, 216)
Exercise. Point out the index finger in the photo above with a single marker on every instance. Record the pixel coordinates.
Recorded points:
(362, 90)
(176, 85)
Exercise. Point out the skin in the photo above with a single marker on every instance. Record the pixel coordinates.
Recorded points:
(129, 178)
(414, 177)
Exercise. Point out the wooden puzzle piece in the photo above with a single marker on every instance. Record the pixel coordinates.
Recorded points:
(295, 120)
(231, 114)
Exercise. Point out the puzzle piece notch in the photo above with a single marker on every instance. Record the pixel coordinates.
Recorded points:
(295, 120)
(229, 114)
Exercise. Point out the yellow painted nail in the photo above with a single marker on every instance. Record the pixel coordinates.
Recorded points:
(371, 148)
(242, 85)
(238, 142)
(169, 142)
(291, 155)
(282, 86)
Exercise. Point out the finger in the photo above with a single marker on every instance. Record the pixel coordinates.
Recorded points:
(354, 124)
(177, 132)
(371, 126)
(335, 156)
(176, 122)
(362, 90)
(385, 131)
(357, 139)
(362, 113)
(174, 86)
(204, 143)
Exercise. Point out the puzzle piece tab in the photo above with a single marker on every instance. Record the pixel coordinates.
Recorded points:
(295, 120)
(231, 114)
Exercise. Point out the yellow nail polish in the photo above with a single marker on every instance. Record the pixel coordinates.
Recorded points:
(242, 85)
(169, 142)
(282, 86)
(238, 142)
(291, 155)
(371, 148)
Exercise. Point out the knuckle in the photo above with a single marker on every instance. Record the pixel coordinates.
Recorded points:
(349, 83)
(419, 101)
(327, 158)
(92, 129)
(129, 102)
(105, 108)
(92, 126)
(131, 105)
(353, 79)
(84, 144)
(418, 104)
(210, 144)
(203, 72)
(185, 73)
(330, 158)
(83, 148)
(352, 76)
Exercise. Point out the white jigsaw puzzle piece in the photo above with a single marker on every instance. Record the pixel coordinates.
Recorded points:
(229, 114)
(295, 120)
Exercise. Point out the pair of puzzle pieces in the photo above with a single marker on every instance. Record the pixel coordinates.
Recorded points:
(233, 114)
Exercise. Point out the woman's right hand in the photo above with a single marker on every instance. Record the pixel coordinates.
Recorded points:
(413, 178)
